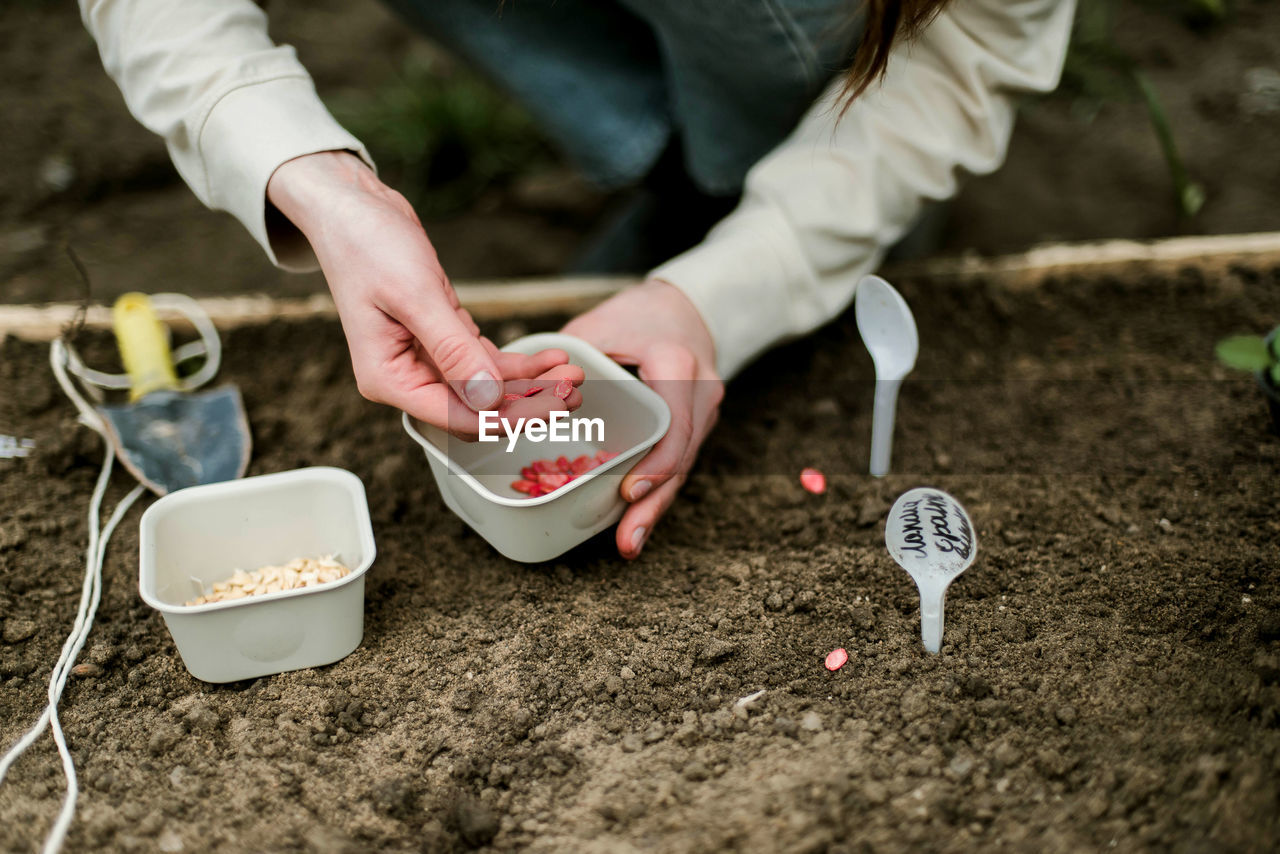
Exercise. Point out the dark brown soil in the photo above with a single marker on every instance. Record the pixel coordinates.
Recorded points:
(1110, 676)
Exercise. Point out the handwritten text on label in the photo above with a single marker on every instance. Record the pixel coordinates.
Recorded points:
(929, 526)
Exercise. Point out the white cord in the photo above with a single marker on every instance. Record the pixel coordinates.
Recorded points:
(63, 358)
(209, 346)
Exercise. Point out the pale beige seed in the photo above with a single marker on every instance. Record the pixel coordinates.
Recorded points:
(297, 574)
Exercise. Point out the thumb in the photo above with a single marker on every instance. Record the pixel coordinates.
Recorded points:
(459, 356)
(468, 368)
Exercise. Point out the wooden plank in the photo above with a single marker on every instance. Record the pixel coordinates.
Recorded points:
(485, 300)
(1208, 253)
(496, 300)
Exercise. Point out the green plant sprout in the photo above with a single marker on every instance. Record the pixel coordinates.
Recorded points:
(1253, 353)
(1099, 71)
(1190, 195)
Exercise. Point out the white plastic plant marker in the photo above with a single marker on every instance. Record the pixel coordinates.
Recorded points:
(889, 332)
(930, 536)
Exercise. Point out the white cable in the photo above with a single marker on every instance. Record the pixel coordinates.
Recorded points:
(199, 318)
(209, 346)
(63, 358)
(58, 834)
(86, 597)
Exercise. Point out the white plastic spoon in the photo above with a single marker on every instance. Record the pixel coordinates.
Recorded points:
(930, 536)
(889, 332)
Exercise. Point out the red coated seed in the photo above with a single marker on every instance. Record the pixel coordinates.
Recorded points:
(552, 481)
(541, 477)
(836, 659)
(512, 396)
(563, 389)
(814, 481)
(532, 391)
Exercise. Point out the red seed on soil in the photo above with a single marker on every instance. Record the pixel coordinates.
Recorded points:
(814, 481)
(836, 659)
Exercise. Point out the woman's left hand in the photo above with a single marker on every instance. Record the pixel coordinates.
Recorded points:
(655, 327)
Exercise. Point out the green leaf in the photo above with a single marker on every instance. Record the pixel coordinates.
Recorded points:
(1189, 194)
(1215, 9)
(1192, 198)
(1245, 352)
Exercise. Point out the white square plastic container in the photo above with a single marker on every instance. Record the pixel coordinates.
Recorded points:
(475, 478)
(197, 536)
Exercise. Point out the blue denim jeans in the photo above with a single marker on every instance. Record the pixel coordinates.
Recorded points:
(611, 82)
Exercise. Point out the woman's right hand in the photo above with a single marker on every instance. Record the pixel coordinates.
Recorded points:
(655, 327)
(412, 344)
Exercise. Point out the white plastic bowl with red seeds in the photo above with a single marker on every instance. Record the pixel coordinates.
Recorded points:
(482, 482)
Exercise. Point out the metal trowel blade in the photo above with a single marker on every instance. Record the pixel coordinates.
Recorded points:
(170, 440)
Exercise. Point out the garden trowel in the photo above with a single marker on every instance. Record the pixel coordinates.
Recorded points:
(169, 438)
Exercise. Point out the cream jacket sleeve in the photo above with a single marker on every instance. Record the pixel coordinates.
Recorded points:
(230, 105)
(820, 210)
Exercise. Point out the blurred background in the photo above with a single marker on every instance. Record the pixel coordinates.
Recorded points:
(1167, 122)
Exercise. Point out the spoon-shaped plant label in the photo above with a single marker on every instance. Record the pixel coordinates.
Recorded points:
(889, 331)
(930, 536)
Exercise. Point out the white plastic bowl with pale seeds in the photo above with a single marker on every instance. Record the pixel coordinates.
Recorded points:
(195, 538)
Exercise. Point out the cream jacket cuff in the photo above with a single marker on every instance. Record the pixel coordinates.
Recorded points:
(231, 105)
(249, 133)
(821, 209)
(749, 281)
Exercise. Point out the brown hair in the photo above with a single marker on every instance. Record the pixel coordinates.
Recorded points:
(885, 22)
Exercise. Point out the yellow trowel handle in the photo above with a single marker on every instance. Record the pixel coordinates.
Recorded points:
(144, 345)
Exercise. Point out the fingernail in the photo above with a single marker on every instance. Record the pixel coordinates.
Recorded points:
(640, 490)
(637, 538)
(481, 390)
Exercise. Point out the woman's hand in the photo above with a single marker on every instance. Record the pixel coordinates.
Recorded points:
(656, 327)
(412, 344)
